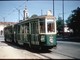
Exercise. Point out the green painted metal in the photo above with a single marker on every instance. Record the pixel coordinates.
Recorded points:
(47, 38)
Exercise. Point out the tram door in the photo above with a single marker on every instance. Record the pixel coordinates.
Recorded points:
(34, 32)
(26, 33)
(21, 35)
(16, 33)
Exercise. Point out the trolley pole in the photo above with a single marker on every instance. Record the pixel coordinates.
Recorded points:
(53, 7)
(19, 14)
(63, 16)
(41, 12)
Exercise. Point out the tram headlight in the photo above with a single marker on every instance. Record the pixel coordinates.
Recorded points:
(51, 39)
(42, 38)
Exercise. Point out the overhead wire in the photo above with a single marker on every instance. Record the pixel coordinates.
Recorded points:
(15, 10)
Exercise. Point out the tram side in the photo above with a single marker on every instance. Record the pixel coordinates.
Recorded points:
(37, 32)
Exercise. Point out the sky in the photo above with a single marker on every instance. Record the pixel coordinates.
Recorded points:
(9, 9)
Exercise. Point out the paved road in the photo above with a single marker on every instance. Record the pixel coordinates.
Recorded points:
(69, 49)
(64, 50)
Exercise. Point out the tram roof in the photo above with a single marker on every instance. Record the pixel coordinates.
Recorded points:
(37, 17)
(31, 19)
(43, 16)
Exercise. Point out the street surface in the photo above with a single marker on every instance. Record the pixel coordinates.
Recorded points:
(64, 50)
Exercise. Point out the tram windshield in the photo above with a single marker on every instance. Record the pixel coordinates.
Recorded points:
(50, 26)
(47, 26)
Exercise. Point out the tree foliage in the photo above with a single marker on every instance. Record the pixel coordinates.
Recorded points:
(59, 25)
(73, 21)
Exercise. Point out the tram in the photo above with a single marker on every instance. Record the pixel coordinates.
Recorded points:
(39, 31)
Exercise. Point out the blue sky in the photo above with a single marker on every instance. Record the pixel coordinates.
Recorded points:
(8, 9)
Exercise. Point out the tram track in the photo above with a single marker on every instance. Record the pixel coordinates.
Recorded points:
(46, 56)
(65, 55)
(56, 55)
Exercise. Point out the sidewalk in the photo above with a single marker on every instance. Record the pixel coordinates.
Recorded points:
(14, 52)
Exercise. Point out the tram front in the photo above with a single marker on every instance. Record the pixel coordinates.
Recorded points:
(47, 32)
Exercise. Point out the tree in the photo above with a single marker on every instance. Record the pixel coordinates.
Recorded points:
(60, 25)
(73, 21)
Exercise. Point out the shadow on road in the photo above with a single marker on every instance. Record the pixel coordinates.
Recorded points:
(26, 47)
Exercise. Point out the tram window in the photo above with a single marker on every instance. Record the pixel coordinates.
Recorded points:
(18, 28)
(22, 29)
(27, 28)
(50, 26)
(42, 27)
(34, 27)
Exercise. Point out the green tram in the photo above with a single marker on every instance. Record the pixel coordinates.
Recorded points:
(39, 32)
